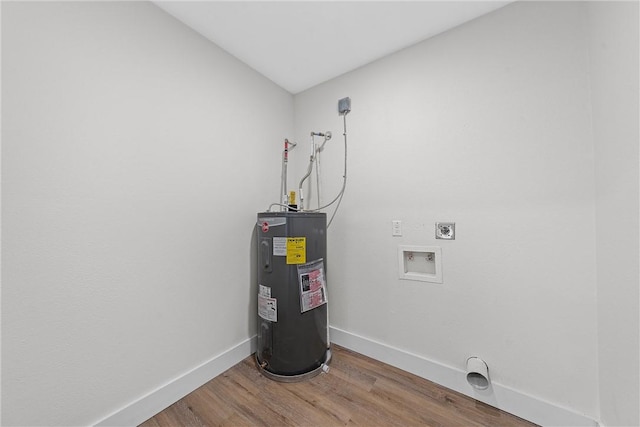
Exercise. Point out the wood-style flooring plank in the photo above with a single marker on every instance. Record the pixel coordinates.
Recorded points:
(357, 391)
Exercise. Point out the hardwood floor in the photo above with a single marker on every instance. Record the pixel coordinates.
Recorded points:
(357, 391)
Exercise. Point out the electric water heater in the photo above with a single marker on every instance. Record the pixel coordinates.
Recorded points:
(292, 295)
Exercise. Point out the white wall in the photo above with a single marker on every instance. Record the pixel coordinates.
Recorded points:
(613, 51)
(134, 157)
(487, 125)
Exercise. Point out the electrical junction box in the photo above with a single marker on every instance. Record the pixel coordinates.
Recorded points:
(420, 263)
(344, 105)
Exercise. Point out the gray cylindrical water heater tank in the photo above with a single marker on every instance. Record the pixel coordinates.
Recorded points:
(292, 298)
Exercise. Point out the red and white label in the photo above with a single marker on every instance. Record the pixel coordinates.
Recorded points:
(265, 227)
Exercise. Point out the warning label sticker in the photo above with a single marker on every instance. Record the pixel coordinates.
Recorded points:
(264, 291)
(268, 308)
(296, 250)
(279, 246)
(313, 291)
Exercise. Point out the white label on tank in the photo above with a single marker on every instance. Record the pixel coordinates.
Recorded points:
(264, 291)
(279, 246)
(268, 308)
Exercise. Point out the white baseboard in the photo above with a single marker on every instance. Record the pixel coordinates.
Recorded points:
(499, 396)
(164, 396)
(504, 398)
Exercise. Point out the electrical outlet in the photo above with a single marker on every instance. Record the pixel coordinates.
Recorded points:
(396, 227)
(446, 230)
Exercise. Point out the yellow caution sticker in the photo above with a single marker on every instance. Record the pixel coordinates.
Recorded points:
(296, 250)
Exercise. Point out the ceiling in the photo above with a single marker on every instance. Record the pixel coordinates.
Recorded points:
(299, 44)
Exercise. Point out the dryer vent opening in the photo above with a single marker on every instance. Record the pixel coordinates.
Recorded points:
(477, 373)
